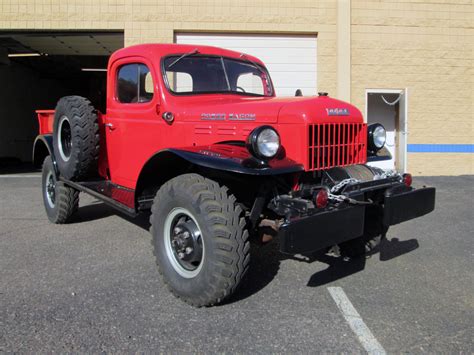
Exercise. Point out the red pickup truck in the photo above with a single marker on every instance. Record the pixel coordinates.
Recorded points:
(197, 135)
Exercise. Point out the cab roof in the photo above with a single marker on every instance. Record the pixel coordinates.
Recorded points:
(154, 51)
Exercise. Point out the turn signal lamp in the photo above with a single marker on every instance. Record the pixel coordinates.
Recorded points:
(321, 198)
(407, 179)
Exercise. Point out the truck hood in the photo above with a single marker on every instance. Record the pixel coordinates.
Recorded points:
(267, 110)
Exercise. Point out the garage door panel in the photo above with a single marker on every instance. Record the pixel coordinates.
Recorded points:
(299, 78)
(283, 67)
(288, 92)
(290, 59)
(280, 54)
(251, 42)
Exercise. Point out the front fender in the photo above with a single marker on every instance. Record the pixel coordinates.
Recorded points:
(169, 163)
(236, 159)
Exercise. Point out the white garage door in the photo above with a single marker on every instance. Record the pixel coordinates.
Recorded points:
(291, 60)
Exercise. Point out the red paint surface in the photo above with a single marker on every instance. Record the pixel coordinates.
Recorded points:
(139, 131)
(45, 121)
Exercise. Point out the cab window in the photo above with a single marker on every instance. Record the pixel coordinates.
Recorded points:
(134, 84)
(199, 74)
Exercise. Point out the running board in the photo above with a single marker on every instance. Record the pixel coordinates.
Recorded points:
(116, 196)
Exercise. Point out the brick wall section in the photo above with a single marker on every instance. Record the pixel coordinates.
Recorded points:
(157, 21)
(426, 46)
(441, 164)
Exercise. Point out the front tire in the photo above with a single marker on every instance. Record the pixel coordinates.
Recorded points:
(366, 244)
(199, 239)
(60, 200)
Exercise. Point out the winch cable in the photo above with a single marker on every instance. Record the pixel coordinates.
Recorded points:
(343, 198)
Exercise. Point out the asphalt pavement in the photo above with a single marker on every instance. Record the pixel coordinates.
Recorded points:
(92, 286)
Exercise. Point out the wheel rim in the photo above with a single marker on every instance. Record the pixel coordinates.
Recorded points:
(64, 138)
(50, 189)
(184, 244)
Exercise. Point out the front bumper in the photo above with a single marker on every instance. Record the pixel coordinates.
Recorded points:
(321, 230)
(330, 227)
(403, 206)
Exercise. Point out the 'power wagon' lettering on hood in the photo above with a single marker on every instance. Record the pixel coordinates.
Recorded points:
(230, 116)
(337, 111)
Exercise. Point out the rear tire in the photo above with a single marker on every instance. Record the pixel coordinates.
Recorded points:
(199, 239)
(76, 138)
(60, 200)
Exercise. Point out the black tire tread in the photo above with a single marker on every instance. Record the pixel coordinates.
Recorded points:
(366, 244)
(360, 246)
(67, 199)
(228, 226)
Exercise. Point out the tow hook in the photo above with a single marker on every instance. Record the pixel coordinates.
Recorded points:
(268, 229)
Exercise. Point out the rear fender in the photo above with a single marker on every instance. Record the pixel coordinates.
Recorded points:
(42, 147)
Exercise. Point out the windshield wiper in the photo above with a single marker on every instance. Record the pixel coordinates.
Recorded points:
(183, 56)
(255, 65)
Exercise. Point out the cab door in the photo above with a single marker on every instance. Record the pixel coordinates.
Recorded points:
(132, 124)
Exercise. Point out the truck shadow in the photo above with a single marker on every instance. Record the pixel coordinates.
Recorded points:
(99, 210)
(339, 267)
(93, 211)
(265, 264)
(265, 260)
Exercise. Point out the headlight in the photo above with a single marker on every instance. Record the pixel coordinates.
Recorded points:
(377, 137)
(263, 142)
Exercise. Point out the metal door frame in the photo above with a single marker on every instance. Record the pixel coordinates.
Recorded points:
(401, 159)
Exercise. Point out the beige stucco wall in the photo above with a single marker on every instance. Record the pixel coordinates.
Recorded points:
(426, 46)
(157, 21)
(423, 45)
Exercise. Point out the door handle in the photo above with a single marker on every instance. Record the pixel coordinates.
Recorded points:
(110, 125)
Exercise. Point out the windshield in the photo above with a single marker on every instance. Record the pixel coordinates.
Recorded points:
(201, 74)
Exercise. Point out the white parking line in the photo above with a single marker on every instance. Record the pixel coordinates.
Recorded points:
(353, 318)
(19, 176)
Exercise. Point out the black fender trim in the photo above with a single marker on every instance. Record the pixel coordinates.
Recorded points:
(236, 159)
(224, 157)
(42, 147)
(373, 158)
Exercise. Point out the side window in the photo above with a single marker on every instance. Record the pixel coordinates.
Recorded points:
(134, 84)
(180, 81)
(145, 92)
(250, 82)
(127, 83)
